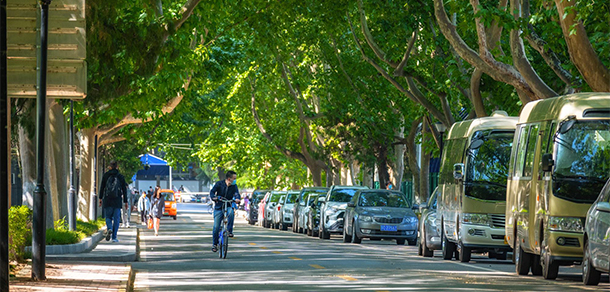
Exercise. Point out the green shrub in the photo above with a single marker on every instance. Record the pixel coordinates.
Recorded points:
(57, 237)
(19, 231)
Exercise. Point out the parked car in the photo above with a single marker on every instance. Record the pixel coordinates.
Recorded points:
(472, 205)
(261, 210)
(170, 203)
(559, 164)
(429, 233)
(270, 207)
(313, 216)
(304, 213)
(301, 203)
(275, 222)
(257, 197)
(596, 259)
(283, 215)
(380, 214)
(333, 207)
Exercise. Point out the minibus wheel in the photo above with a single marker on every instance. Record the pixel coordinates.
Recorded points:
(464, 253)
(536, 267)
(522, 258)
(550, 268)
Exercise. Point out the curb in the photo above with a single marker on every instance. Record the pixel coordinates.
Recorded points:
(84, 245)
(131, 280)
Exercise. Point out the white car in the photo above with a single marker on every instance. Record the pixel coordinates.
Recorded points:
(333, 207)
(283, 213)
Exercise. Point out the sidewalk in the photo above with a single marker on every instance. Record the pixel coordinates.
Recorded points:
(105, 268)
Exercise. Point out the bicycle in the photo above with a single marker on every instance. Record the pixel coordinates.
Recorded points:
(223, 235)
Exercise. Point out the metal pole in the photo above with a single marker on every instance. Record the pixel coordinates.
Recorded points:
(5, 186)
(40, 195)
(72, 191)
(94, 203)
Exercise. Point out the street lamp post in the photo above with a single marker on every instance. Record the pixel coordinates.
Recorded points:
(5, 158)
(72, 191)
(40, 195)
(440, 128)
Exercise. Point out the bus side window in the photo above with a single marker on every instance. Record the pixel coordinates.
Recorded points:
(530, 151)
(520, 157)
(547, 143)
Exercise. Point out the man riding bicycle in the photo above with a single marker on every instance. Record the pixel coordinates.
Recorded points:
(227, 189)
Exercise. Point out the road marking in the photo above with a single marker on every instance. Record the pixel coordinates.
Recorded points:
(263, 247)
(295, 258)
(317, 266)
(277, 252)
(348, 278)
(252, 243)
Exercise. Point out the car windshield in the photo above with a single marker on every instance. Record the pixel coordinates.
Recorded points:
(275, 197)
(291, 197)
(487, 169)
(257, 198)
(382, 199)
(312, 198)
(310, 192)
(168, 196)
(342, 195)
(582, 161)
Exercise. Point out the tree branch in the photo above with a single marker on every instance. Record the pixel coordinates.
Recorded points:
(405, 58)
(369, 38)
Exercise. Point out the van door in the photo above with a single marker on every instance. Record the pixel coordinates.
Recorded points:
(542, 183)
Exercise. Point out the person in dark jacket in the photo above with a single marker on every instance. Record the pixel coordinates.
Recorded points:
(228, 189)
(157, 208)
(113, 190)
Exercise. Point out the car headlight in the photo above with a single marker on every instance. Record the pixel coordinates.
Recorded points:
(570, 224)
(365, 218)
(475, 219)
(409, 220)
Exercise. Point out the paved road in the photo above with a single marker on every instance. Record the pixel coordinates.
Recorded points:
(180, 259)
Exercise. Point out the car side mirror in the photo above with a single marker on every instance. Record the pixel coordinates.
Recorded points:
(547, 162)
(322, 200)
(458, 171)
(351, 204)
(423, 206)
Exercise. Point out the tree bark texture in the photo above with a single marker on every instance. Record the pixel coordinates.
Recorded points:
(87, 146)
(581, 51)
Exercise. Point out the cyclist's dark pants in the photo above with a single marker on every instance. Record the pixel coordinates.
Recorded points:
(218, 216)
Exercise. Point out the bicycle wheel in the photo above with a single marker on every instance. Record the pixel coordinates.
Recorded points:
(220, 243)
(225, 244)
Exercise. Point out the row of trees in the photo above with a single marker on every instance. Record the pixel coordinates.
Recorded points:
(311, 93)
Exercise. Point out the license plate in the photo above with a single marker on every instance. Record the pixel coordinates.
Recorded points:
(389, 228)
(165, 213)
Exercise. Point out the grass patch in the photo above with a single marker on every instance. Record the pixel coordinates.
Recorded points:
(62, 235)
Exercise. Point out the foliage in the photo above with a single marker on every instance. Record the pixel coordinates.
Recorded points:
(20, 229)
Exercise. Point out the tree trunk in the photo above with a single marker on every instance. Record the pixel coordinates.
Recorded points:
(412, 157)
(424, 174)
(316, 175)
(27, 154)
(87, 142)
(397, 165)
(222, 173)
(382, 166)
(581, 51)
(57, 166)
(367, 176)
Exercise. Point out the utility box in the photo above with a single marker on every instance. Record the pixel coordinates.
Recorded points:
(67, 49)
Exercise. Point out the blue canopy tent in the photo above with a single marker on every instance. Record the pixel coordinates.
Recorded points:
(153, 166)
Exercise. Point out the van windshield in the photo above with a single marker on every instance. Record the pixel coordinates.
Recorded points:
(487, 168)
(582, 161)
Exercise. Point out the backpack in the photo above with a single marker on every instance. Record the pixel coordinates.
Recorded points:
(113, 187)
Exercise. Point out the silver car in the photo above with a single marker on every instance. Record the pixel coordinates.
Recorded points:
(332, 209)
(596, 259)
(380, 214)
(271, 206)
(283, 214)
(304, 219)
(299, 212)
(429, 233)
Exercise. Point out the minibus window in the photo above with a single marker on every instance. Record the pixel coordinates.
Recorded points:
(487, 169)
(582, 161)
(521, 151)
(529, 152)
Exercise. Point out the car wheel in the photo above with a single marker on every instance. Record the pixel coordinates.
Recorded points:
(284, 227)
(420, 251)
(522, 258)
(426, 252)
(355, 238)
(448, 247)
(174, 217)
(464, 253)
(300, 230)
(400, 241)
(502, 256)
(550, 268)
(346, 237)
(590, 276)
(412, 242)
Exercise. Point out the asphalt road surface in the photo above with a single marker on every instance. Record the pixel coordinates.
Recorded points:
(259, 259)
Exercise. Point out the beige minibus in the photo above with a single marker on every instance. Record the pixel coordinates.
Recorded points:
(472, 182)
(559, 164)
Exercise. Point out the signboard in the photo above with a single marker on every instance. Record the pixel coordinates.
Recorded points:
(67, 69)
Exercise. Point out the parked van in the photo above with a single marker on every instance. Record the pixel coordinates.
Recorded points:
(474, 170)
(559, 164)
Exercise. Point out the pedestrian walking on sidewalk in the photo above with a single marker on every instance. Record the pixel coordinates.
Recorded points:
(113, 192)
(144, 208)
(158, 208)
